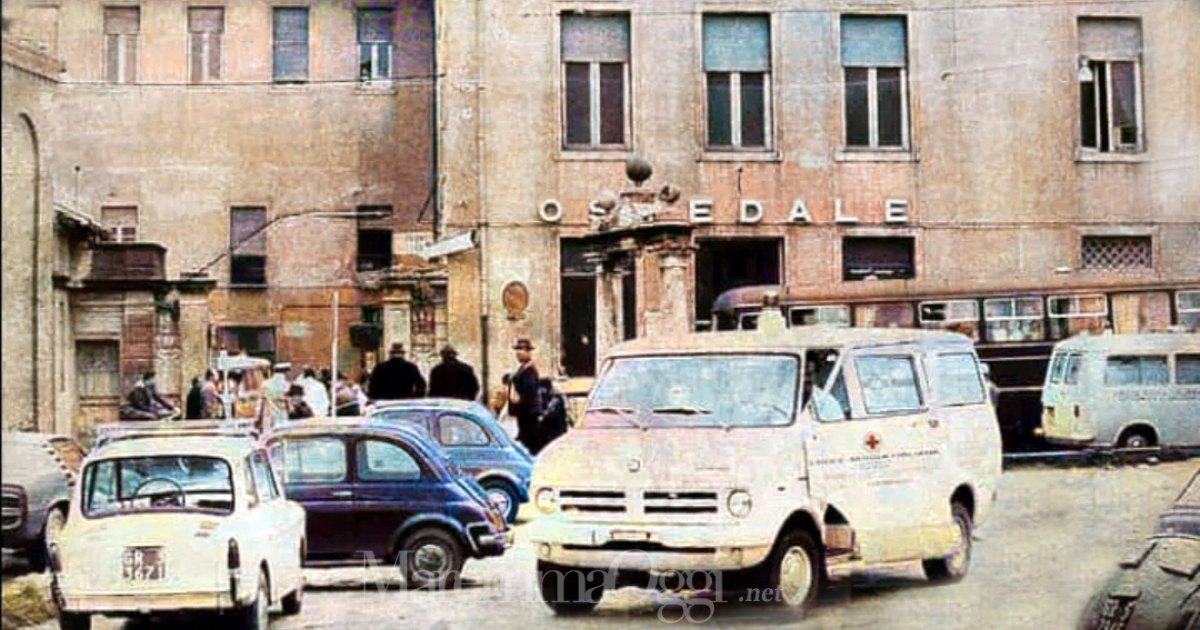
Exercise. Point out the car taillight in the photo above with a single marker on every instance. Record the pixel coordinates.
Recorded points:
(234, 558)
(1076, 411)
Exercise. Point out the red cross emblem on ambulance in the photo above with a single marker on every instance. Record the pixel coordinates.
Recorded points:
(872, 442)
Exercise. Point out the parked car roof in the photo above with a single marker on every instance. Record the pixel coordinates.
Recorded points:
(1141, 343)
(225, 447)
(436, 404)
(796, 337)
(359, 426)
(26, 456)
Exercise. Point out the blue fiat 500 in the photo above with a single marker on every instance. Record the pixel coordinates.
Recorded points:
(473, 439)
(386, 491)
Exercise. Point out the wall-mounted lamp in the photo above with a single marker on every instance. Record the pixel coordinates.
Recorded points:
(1085, 71)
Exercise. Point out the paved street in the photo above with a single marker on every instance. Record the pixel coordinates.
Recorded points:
(1054, 535)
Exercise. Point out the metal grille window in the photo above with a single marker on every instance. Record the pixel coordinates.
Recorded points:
(1117, 253)
(290, 43)
(375, 43)
(737, 75)
(1014, 319)
(875, 73)
(878, 258)
(205, 28)
(1187, 305)
(1110, 92)
(121, 26)
(247, 247)
(121, 221)
(98, 368)
(595, 53)
(1071, 315)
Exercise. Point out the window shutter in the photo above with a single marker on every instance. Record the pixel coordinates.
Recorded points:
(876, 41)
(375, 25)
(1110, 38)
(595, 38)
(121, 20)
(243, 223)
(206, 20)
(737, 43)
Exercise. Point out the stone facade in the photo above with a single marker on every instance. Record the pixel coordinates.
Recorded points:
(996, 191)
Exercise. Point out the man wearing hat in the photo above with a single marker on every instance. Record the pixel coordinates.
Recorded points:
(452, 378)
(523, 401)
(396, 378)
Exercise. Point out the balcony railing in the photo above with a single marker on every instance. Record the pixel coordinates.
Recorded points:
(128, 261)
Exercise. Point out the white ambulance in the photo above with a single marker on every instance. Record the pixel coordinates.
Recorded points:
(766, 458)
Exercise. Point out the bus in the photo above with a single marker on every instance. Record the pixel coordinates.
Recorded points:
(1014, 331)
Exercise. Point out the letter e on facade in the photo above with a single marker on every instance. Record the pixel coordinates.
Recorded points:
(700, 210)
(895, 211)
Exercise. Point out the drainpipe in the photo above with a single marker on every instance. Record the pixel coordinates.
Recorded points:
(480, 125)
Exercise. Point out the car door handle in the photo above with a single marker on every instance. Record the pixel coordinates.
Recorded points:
(341, 494)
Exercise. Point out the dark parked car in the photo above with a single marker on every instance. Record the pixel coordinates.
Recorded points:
(470, 435)
(38, 471)
(1158, 586)
(387, 491)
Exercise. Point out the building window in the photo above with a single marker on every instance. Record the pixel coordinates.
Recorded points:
(1014, 319)
(121, 221)
(375, 44)
(256, 341)
(813, 315)
(737, 77)
(205, 26)
(875, 76)
(960, 316)
(1117, 253)
(595, 52)
(1110, 90)
(374, 249)
(1187, 305)
(248, 247)
(878, 258)
(121, 26)
(1074, 314)
(290, 43)
(98, 368)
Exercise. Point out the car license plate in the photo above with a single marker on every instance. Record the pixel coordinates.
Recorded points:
(626, 535)
(143, 564)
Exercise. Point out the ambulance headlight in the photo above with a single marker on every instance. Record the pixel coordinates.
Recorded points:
(739, 503)
(546, 500)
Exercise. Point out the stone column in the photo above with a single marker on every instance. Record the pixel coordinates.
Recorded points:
(673, 312)
(609, 311)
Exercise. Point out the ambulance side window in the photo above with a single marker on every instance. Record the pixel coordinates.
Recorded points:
(888, 384)
(833, 405)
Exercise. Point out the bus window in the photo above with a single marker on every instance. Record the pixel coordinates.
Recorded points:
(1187, 369)
(748, 321)
(813, 315)
(1126, 370)
(1014, 319)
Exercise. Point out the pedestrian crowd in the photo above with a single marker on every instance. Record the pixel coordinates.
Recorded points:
(539, 410)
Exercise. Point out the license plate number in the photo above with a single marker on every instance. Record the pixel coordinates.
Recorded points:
(143, 564)
(630, 536)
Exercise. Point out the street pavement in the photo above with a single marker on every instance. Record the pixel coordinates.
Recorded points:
(1053, 537)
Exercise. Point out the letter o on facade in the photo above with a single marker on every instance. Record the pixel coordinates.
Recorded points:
(550, 211)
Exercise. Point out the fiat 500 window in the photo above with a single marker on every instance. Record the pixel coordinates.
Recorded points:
(160, 483)
(745, 390)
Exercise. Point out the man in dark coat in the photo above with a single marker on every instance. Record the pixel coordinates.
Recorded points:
(452, 378)
(523, 401)
(195, 401)
(396, 378)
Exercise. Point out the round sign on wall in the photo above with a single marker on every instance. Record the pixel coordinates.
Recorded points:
(516, 299)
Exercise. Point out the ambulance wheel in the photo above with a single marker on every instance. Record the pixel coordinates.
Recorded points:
(953, 566)
(797, 570)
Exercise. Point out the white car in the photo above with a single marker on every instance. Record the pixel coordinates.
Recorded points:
(178, 518)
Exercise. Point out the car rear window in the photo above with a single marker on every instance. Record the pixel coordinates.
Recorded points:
(158, 483)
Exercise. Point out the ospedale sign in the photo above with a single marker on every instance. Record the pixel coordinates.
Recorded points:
(750, 212)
